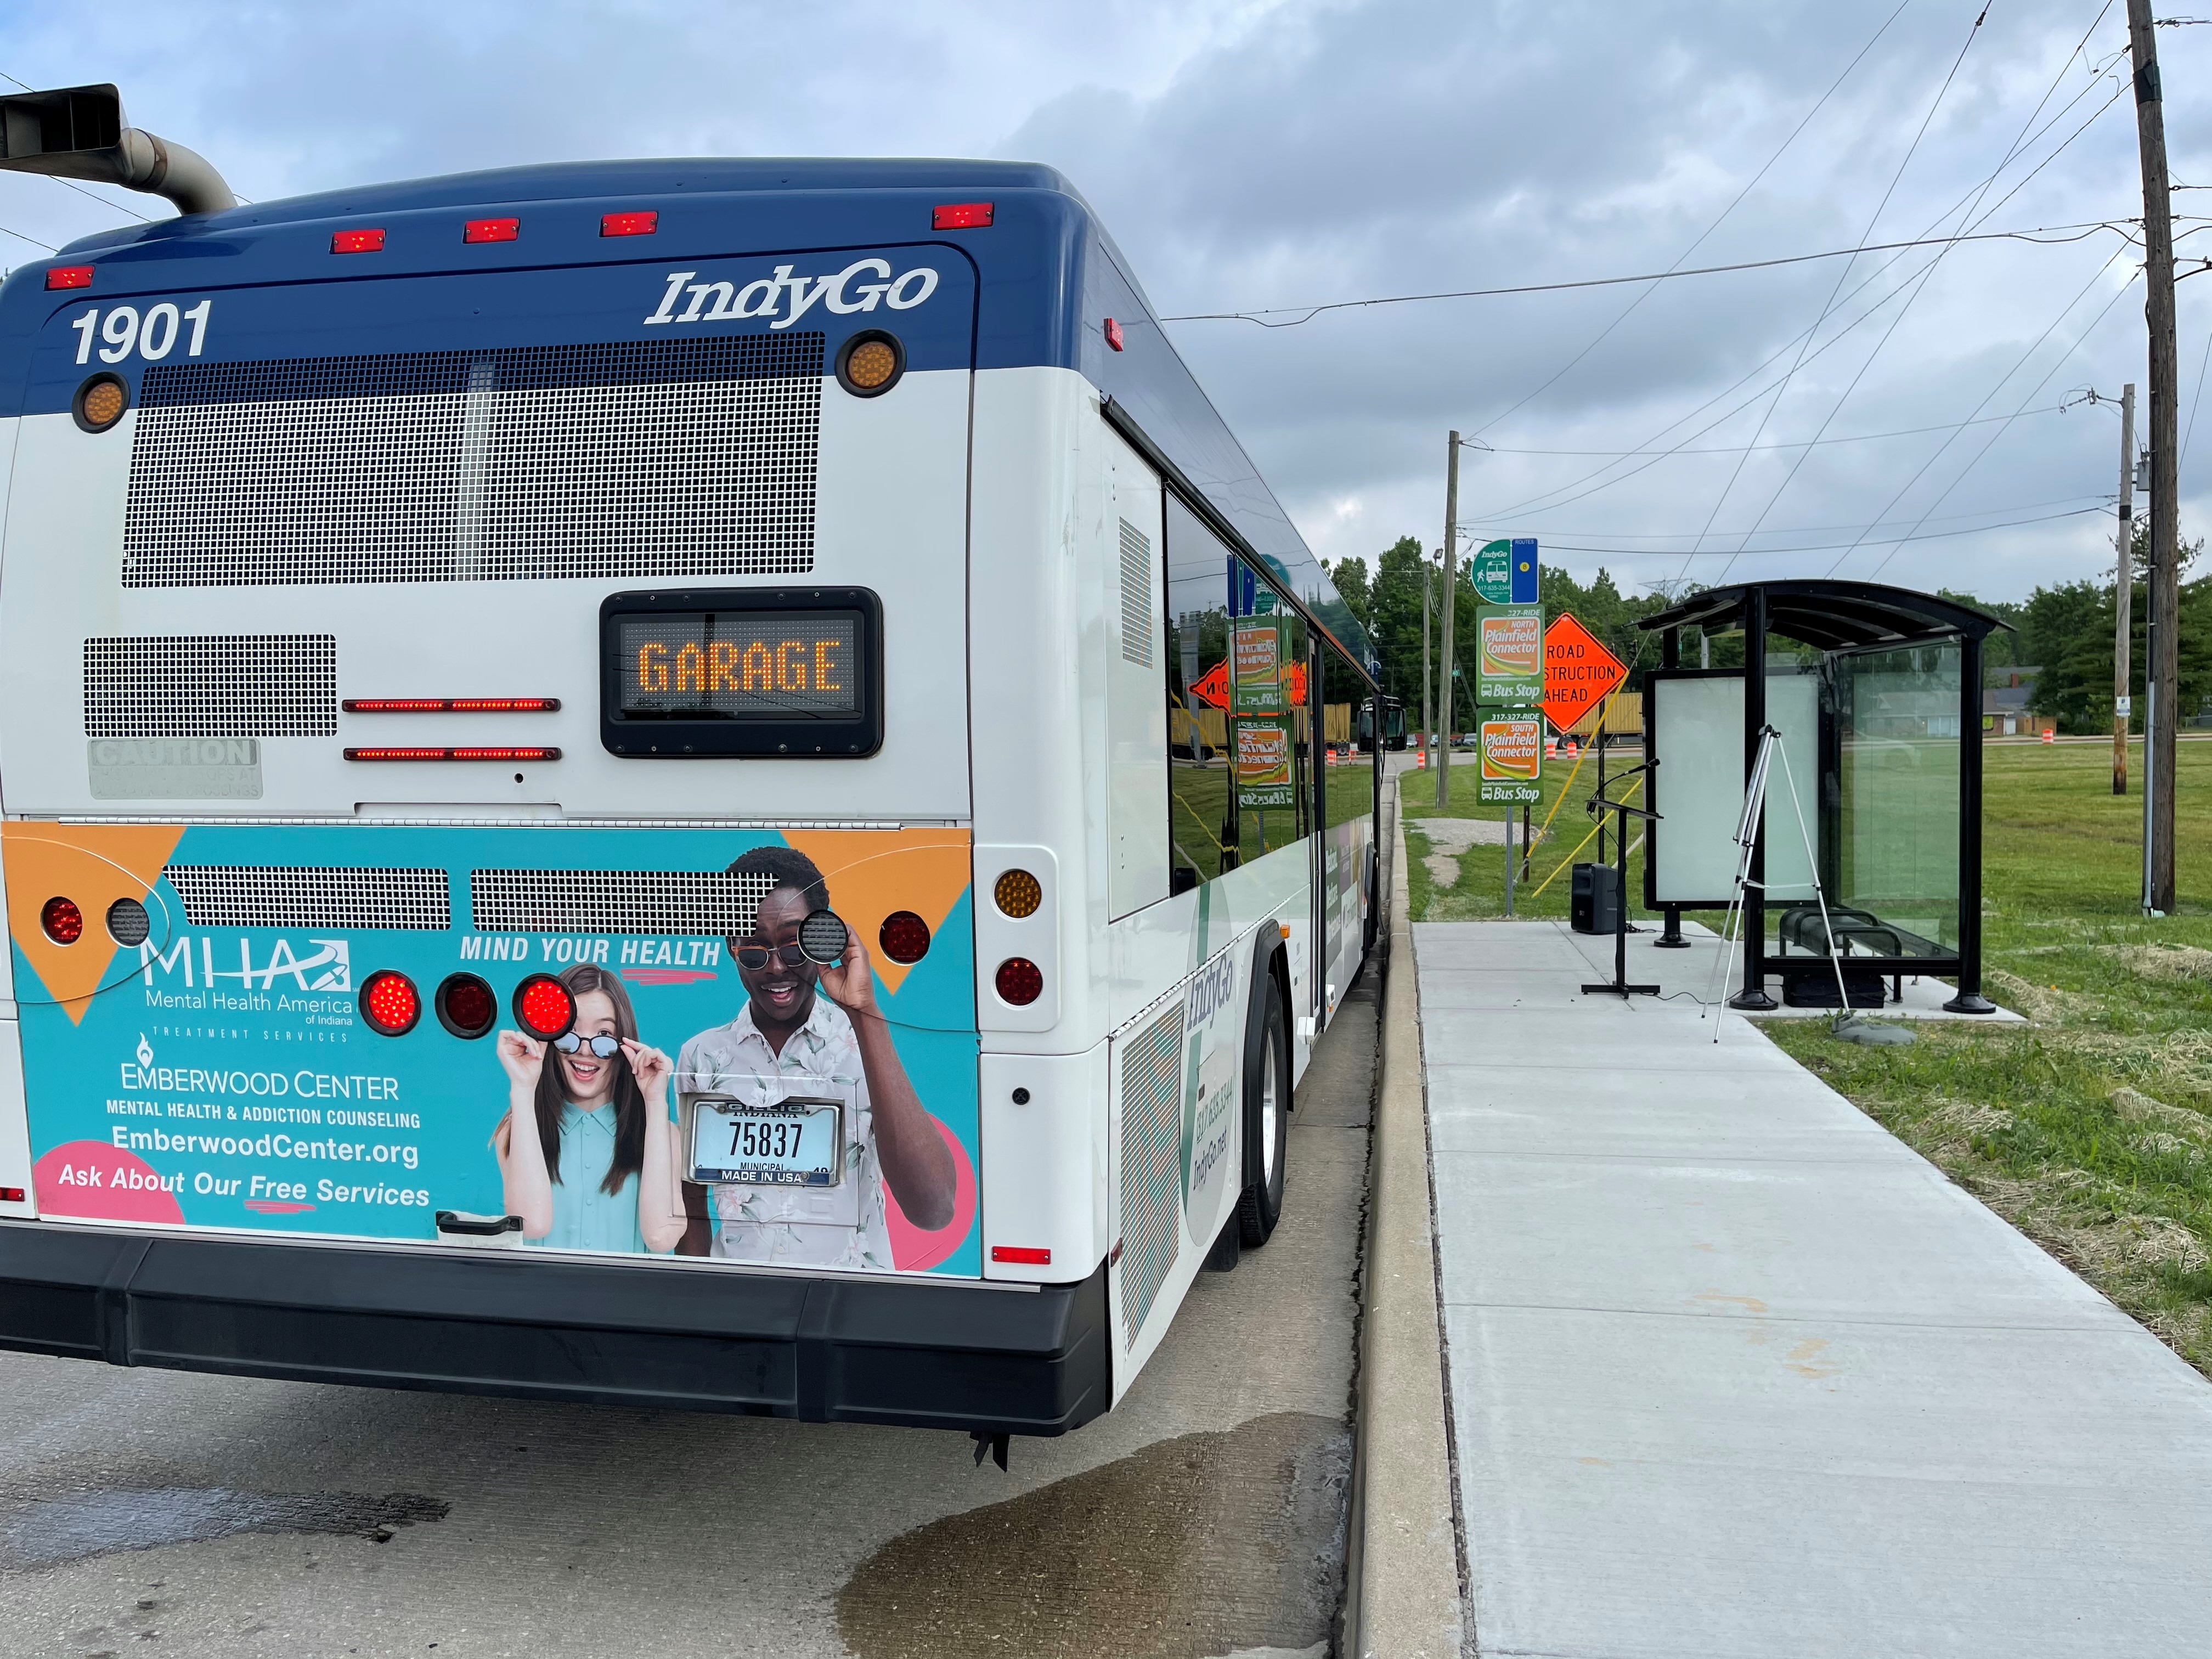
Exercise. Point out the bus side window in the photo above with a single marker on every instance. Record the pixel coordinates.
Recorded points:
(1269, 773)
(1201, 830)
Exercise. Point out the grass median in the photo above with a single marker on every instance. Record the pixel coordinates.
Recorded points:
(2089, 1129)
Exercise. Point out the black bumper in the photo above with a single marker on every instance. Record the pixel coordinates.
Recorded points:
(917, 1354)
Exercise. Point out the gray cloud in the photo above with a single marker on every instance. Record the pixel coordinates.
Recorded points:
(1250, 153)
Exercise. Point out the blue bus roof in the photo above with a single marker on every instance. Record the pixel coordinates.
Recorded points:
(1048, 276)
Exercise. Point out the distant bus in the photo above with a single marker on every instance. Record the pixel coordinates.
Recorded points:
(1384, 716)
(686, 783)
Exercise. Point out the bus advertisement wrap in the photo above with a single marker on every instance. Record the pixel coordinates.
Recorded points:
(220, 1069)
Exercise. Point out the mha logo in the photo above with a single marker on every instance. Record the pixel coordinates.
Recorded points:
(326, 964)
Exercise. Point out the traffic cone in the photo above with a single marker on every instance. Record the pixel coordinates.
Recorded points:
(1551, 749)
(2051, 734)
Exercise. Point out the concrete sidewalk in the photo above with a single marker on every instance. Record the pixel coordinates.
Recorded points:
(1734, 1372)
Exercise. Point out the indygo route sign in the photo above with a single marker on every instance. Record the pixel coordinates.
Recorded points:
(1512, 756)
(1504, 571)
(1578, 672)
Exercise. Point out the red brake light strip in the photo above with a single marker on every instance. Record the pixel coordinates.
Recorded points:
(69, 277)
(475, 754)
(451, 705)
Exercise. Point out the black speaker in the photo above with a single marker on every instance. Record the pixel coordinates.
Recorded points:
(1595, 905)
(1815, 987)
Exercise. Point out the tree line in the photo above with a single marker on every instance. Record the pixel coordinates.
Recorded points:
(2063, 631)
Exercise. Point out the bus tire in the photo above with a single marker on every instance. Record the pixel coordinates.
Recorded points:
(1266, 1114)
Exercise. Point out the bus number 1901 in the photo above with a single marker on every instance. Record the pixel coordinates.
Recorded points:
(153, 337)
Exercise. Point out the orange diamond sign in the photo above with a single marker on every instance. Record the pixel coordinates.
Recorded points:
(1578, 672)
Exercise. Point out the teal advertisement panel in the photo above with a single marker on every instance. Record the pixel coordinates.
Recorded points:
(605, 1039)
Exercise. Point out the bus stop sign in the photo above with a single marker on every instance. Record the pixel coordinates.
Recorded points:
(1578, 672)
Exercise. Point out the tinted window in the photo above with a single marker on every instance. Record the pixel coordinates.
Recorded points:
(1201, 829)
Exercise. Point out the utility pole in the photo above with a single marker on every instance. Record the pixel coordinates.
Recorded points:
(1451, 606)
(2161, 680)
(1428, 684)
(2125, 592)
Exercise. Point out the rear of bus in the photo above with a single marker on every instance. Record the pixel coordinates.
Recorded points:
(426, 608)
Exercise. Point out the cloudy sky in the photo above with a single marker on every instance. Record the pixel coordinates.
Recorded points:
(1259, 154)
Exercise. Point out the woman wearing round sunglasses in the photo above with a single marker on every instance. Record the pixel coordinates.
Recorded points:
(594, 1102)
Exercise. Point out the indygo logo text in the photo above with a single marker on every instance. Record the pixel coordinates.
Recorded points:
(861, 286)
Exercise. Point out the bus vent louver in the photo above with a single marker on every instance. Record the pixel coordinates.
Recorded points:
(1136, 595)
(678, 903)
(214, 685)
(301, 896)
(1152, 1166)
(664, 458)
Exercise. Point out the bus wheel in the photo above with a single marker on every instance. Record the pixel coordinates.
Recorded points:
(1266, 1123)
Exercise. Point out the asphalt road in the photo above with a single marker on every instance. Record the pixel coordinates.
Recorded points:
(147, 1511)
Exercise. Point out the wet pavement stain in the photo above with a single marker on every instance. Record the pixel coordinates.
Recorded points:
(1199, 1546)
(56, 1529)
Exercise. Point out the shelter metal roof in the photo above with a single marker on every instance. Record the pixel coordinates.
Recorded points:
(1833, 616)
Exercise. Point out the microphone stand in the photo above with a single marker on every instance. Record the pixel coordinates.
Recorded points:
(1598, 803)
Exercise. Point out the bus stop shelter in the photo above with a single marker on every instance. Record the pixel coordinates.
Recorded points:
(1875, 696)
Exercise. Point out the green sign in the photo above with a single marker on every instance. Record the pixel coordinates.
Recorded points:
(1510, 654)
(1493, 570)
(1262, 745)
(1256, 666)
(1512, 756)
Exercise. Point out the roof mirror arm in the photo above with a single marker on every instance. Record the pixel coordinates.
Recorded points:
(79, 132)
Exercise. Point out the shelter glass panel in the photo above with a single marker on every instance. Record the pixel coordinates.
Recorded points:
(1897, 806)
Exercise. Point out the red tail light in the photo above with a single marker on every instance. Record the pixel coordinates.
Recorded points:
(11, 1194)
(69, 277)
(451, 705)
(643, 223)
(357, 241)
(465, 1006)
(961, 215)
(390, 1002)
(63, 922)
(904, 937)
(1020, 982)
(492, 230)
(1023, 1256)
(544, 1007)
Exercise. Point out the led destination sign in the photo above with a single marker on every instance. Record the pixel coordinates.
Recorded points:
(761, 672)
(712, 665)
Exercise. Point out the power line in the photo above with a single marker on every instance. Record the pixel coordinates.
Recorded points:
(2043, 234)
(1776, 356)
(2017, 147)
(1827, 306)
(1794, 443)
(1899, 541)
(2094, 277)
(2067, 501)
(1623, 317)
(33, 241)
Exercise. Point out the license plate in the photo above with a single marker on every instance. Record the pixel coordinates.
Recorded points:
(794, 1143)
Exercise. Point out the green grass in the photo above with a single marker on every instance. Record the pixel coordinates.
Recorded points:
(2090, 1129)
(1478, 893)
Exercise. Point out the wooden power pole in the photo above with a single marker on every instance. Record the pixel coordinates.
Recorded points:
(1451, 605)
(2160, 678)
(1428, 685)
(2124, 592)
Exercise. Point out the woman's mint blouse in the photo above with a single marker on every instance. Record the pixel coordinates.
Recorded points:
(585, 1216)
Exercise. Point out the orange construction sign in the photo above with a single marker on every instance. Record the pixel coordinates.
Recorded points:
(1578, 672)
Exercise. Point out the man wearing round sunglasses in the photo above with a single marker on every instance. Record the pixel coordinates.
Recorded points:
(789, 1041)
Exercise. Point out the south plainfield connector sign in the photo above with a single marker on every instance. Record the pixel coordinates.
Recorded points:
(1512, 756)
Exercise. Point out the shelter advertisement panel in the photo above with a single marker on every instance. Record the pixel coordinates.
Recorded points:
(204, 1035)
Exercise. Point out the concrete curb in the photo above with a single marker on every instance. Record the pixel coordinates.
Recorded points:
(1403, 1598)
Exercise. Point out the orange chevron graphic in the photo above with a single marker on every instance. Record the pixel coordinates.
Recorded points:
(94, 864)
(871, 872)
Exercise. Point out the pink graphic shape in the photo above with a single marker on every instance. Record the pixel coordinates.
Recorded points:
(667, 975)
(276, 1207)
(914, 1247)
(100, 1183)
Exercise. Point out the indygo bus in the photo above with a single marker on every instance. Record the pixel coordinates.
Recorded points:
(692, 783)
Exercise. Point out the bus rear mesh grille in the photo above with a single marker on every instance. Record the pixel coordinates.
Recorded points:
(661, 458)
(1152, 1166)
(676, 903)
(211, 685)
(270, 895)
